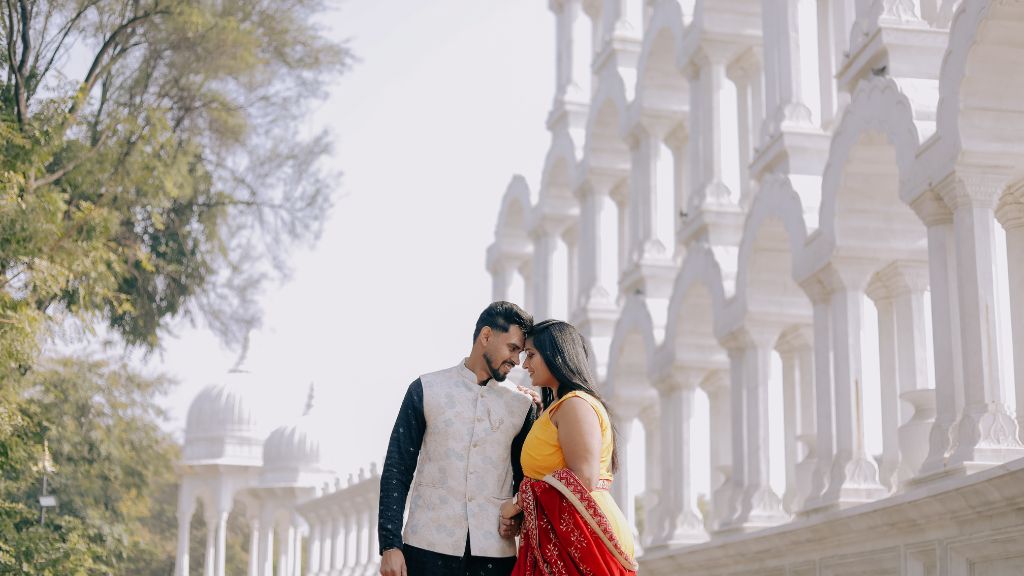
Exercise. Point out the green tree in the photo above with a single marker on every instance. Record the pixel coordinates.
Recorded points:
(169, 176)
(114, 478)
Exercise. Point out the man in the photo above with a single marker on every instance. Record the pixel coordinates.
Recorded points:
(461, 432)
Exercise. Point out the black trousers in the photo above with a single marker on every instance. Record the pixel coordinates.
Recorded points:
(420, 562)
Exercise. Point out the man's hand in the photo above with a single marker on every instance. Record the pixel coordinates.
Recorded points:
(392, 563)
(509, 527)
(532, 394)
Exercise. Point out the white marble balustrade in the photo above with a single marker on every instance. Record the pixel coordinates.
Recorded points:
(342, 538)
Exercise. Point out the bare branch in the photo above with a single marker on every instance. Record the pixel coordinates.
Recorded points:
(64, 32)
(101, 64)
(21, 76)
(12, 55)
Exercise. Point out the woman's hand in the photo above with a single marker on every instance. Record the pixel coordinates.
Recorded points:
(509, 509)
(509, 519)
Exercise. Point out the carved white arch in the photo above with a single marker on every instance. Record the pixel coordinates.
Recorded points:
(609, 99)
(631, 354)
(561, 158)
(700, 270)
(970, 131)
(878, 106)
(514, 214)
(776, 203)
(662, 43)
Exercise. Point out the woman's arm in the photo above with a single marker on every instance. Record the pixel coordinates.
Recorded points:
(579, 433)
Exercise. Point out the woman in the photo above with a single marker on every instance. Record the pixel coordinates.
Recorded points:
(571, 525)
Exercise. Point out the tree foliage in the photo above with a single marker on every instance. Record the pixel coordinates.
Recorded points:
(153, 162)
(114, 477)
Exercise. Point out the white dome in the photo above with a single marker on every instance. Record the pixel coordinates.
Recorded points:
(220, 426)
(291, 453)
(293, 446)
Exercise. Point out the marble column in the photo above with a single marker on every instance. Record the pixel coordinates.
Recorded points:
(653, 495)
(254, 546)
(818, 291)
(338, 546)
(186, 508)
(267, 543)
(917, 413)
(650, 240)
(679, 523)
(716, 386)
(747, 75)
(942, 280)
(221, 545)
(796, 349)
(326, 544)
(620, 486)
(362, 545)
(598, 270)
(1011, 216)
(888, 361)
(210, 559)
(987, 430)
(853, 477)
(313, 552)
(707, 76)
(352, 537)
(750, 351)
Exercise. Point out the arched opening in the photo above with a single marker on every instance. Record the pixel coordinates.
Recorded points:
(553, 250)
(198, 536)
(634, 410)
(988, 120)
(881, 257)
(238, 544)
(696, 462)
(663, 96)
(603, 203)
(779, 317)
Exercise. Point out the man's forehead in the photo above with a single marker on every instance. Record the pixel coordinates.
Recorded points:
(515, 334)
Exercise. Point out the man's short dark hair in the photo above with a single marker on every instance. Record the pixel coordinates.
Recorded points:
(501, 316)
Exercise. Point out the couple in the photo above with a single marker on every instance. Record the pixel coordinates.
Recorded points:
(488, 469)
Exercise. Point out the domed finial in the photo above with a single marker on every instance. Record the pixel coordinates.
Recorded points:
(241, 355)
(309, 400)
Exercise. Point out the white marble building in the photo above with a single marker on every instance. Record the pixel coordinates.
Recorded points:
(794, 232)
(291, 502)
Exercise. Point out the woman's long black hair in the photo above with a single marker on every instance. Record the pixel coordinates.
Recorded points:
(567, 355)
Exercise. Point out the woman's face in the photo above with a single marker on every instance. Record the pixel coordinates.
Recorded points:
(534, 364)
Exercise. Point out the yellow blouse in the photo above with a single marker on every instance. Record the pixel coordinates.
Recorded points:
(542, 455)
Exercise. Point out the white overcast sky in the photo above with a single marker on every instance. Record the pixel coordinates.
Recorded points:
(447, 102)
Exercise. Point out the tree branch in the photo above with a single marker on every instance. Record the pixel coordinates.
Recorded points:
(54, 176)
(100, 64)
(12, 54)
(64, 32)
(21, 77)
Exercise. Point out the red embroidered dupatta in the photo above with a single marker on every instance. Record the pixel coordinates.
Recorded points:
(565, 533)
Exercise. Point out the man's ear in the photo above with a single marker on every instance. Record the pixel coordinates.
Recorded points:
(485, 335)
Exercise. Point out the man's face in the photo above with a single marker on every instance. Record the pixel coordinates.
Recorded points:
(502, 351)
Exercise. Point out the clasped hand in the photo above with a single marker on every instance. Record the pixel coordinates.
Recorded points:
(510, 520)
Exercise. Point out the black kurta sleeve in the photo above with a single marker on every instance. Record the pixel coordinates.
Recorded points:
(517, 448)
(399, 466)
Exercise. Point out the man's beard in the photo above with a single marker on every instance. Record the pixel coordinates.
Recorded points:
(495, 372)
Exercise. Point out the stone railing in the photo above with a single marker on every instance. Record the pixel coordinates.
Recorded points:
(342, 538)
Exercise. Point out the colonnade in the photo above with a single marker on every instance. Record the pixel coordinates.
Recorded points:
(794, 229)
